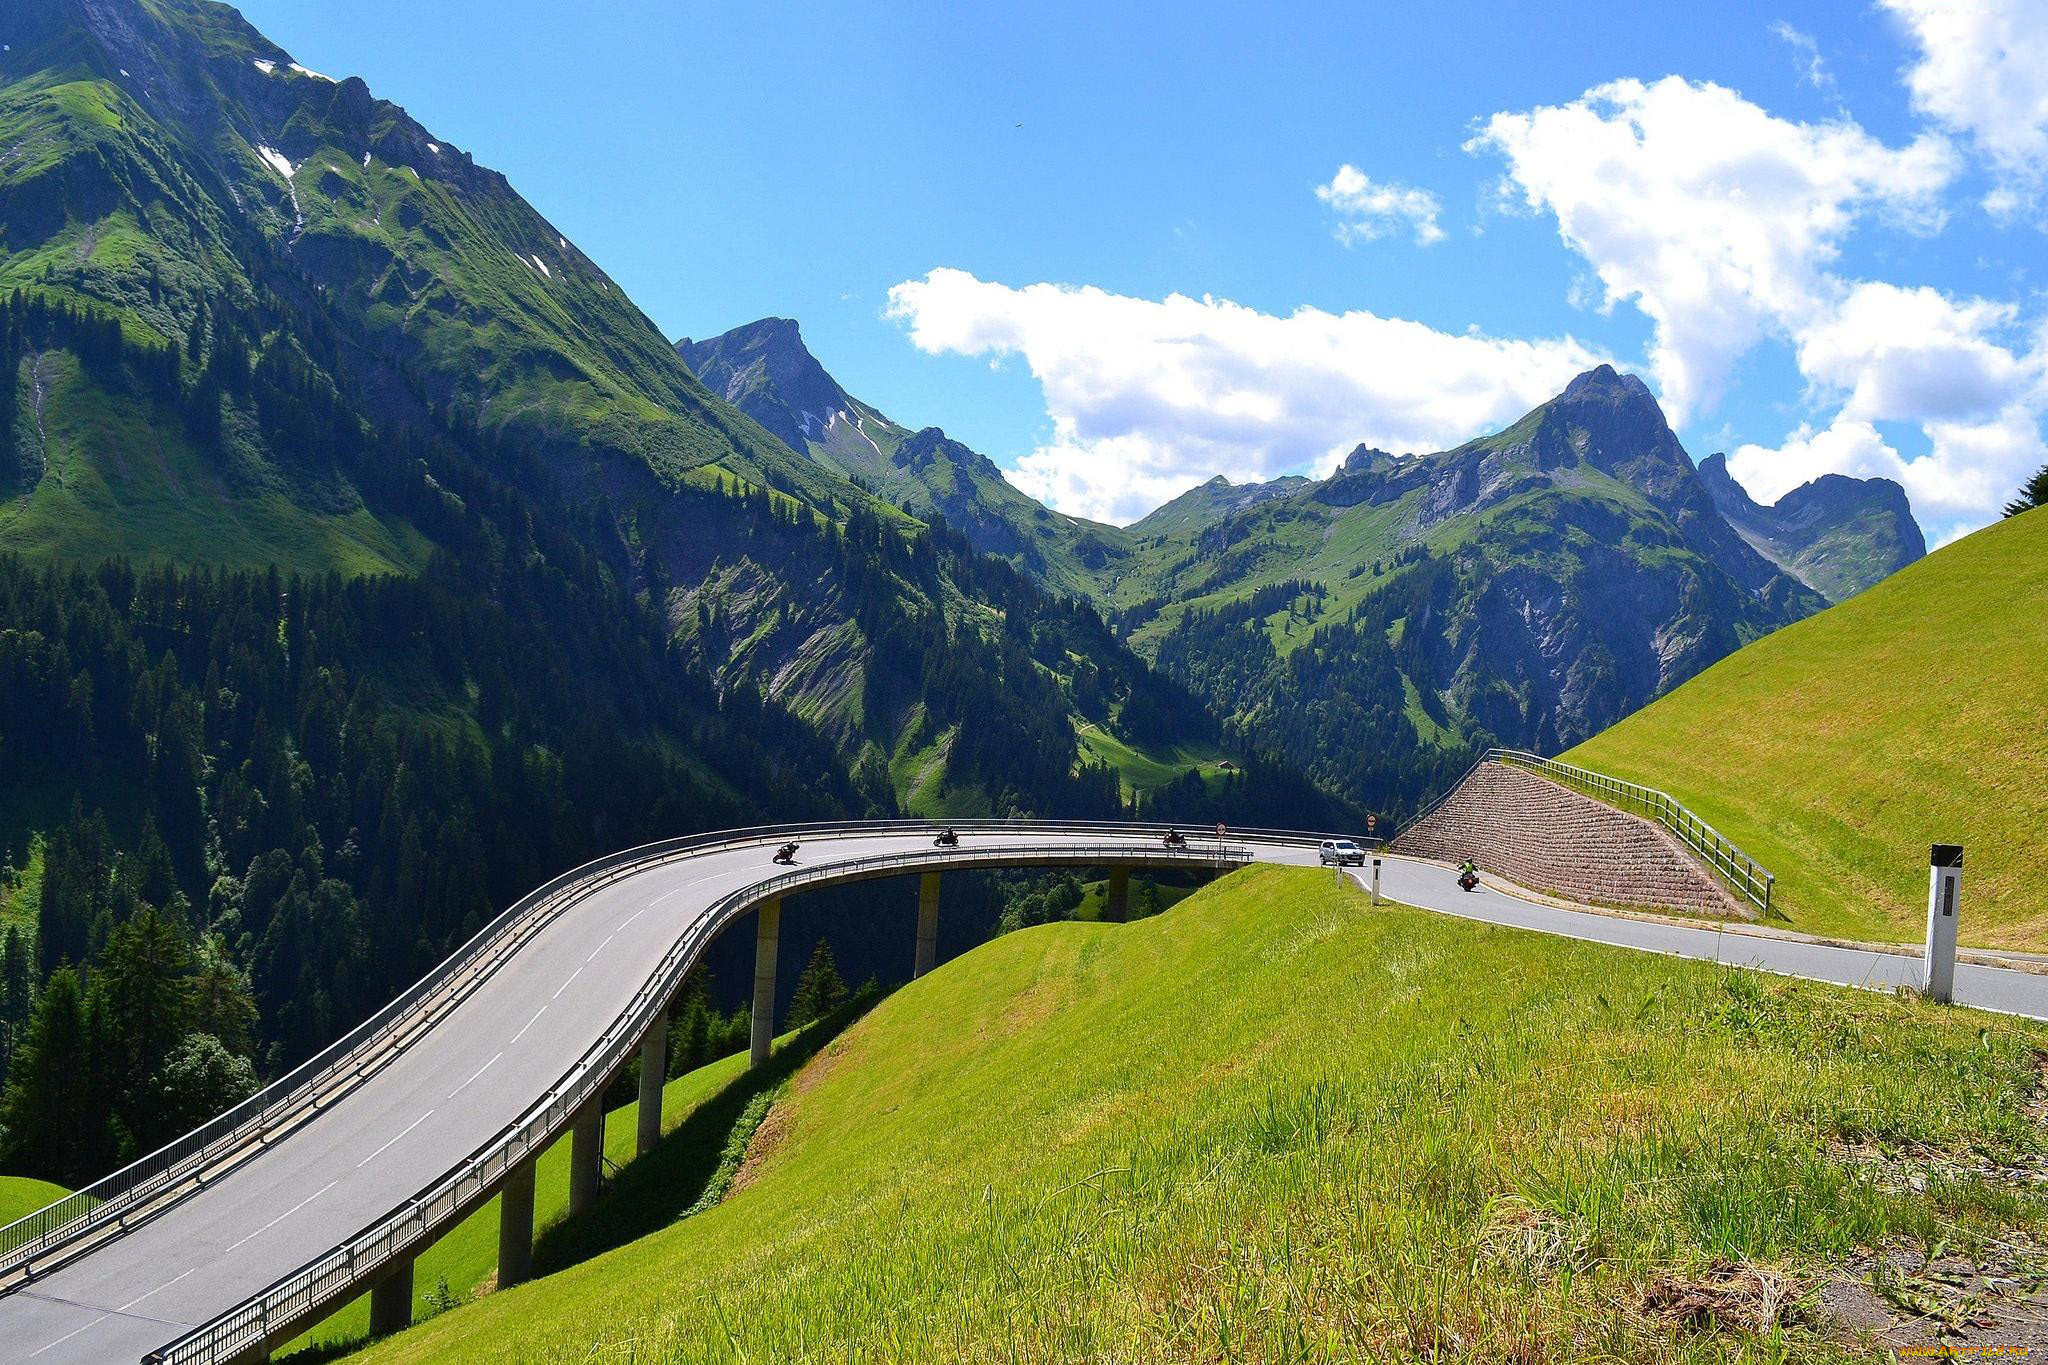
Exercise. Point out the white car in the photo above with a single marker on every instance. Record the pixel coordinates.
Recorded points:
(1342, 852)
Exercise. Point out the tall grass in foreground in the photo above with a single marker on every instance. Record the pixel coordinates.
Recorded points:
(1277, 1124)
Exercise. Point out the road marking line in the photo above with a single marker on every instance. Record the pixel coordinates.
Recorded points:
(686, 886)
(408, 1128)
(600, 947)
(287, 1213)
(529, 1024)
(565, 985)
(479, 1071)
(158, 1290)
(51, 1346)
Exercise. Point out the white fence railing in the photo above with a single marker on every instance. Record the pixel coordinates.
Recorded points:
(1744, 875)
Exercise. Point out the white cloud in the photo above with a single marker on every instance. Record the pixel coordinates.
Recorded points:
(1915, 355)
(1971, 468)
(1370, 209)
(1812, 69)
(1846, 447)
(1724, 225)
(1149, 397)
(1983, 70)
(1714, 217)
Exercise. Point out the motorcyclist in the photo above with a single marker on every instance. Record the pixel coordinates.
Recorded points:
(786, 854)
(1468, 874)
(1174, 838)
(947, 838)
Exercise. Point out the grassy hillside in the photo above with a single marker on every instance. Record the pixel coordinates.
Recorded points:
(1838, 749)
(21, 1196)
(1273, 1123)
(465, 1261)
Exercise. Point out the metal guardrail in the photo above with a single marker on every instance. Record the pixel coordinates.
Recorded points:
(1744, 875)
(117, 1197)
(342, 1272)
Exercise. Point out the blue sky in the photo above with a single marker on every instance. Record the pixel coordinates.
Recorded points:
(734, 161)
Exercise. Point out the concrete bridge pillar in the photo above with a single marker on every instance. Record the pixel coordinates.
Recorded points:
(1119, 895)
(391, 1301)
(586, 1154)
(515, 1227)
(767, 932)
(653, 1072)
(927, 924)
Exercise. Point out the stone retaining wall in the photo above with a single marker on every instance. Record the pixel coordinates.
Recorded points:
(1549, 838)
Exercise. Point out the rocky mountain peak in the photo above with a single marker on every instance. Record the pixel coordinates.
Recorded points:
(1836, 534)
(764, 369)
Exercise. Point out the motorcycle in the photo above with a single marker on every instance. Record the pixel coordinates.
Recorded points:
(947, 839)
(1468, 880)
(1175, 839)
(786, 855)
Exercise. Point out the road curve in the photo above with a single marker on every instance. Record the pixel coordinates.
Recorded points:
(491, 1058)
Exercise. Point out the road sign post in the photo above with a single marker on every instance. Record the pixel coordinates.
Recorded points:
(1944, 883)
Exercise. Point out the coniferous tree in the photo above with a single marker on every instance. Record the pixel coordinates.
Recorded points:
(50, 1120)
(819, 991)
(2033, 493)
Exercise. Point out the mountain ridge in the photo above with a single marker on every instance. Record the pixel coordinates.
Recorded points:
(1838, 535)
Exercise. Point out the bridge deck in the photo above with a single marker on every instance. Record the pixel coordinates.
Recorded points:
(497, 1053)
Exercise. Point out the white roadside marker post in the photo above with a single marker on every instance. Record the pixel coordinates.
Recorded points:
(1375, 881)
(1944, 879)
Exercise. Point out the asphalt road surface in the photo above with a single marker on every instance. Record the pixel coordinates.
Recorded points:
(489, 1060)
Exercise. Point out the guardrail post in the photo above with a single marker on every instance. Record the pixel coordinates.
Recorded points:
(927, 924)
(767, 931)
(515, 1227)
(653, 1074)
(391, 1301)
(586, 1153)
(1944, 880)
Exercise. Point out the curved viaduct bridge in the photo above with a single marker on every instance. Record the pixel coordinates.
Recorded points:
(333, 1179)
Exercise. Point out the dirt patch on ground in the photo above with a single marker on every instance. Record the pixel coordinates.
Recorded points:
(1900, 1298)
(1907, 1296)
(774, 1129)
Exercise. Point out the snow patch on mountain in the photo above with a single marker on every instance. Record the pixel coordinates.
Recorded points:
(282, 164)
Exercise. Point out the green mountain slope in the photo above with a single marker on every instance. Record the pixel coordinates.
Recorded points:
(1837, 535)
(1529, 587)
(1208, 503)
(765, 370)
(1838, 749)
(1285, 1127)
(243, 278)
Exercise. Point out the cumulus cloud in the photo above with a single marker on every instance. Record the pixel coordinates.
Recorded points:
(1724, 225)
(1983, 71)
(1715, 218)
(1369, 209)
(1149, 397)
(1970, 468)
(1915, 355)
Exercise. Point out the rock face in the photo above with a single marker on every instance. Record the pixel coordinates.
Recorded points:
(766, 371)
(1549, 838)
(1527, 588)
(1837, 535)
